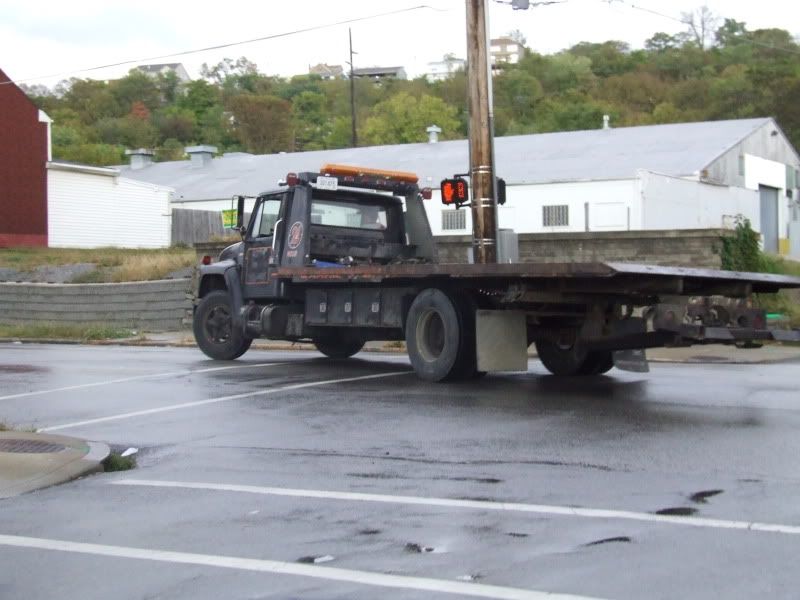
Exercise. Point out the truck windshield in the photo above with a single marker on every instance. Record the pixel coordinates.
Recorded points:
(348, 214)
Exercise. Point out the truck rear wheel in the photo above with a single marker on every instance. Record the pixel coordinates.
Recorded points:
(213, 328)
(574, 359)
(339, 347)
(598, 362)
(438, 337)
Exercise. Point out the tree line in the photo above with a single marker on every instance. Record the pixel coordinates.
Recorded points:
(712, 71)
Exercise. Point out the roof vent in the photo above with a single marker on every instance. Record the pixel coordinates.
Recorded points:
(433, 134)
(140, 158)
(606, 122)
(200, 155)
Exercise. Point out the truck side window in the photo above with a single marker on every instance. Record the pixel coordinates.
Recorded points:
(266, 217)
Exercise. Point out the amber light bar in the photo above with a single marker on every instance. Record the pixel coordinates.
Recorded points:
(352, 171)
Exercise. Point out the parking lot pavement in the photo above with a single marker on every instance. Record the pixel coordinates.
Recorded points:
(287, 476)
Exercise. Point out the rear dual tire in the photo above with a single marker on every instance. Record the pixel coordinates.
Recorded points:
(339, 347)
(573, 360)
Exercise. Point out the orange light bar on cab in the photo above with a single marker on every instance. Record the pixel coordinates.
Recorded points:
(347, 170)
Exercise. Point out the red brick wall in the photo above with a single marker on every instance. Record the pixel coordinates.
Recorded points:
(23, 170)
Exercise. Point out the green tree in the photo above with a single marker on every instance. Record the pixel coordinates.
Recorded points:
(312, 121)
(135, 87)
(177, 123)
(263, 124)
(92, 100)
(404, 118)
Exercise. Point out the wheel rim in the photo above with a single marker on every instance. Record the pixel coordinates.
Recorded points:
(218, 325)
(430, 335)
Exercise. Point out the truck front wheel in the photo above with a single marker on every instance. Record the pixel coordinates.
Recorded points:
(574, 359)
(339, 347)
(213, 328)
(437, 337)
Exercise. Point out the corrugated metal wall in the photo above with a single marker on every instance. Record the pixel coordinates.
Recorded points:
(23, 177)
(91, 211)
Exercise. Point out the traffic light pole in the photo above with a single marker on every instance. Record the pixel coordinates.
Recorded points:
(481, 135)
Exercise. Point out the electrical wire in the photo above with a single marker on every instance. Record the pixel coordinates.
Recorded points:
(684, 22)
(227, 45)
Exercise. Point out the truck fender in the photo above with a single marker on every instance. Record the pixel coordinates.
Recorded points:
(233, 282)
(227, 271)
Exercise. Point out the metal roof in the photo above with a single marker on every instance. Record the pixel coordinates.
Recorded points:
(679, 150)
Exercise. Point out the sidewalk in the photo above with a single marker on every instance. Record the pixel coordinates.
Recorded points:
(31, 461)
(721, 354)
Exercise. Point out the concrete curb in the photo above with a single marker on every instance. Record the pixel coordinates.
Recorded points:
(22, 472)
(719, 355)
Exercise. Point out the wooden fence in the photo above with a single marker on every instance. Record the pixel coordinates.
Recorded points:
(195, 226)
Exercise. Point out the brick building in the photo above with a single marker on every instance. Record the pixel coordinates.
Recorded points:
(24, 152)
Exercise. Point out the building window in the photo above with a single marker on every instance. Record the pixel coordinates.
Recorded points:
(454, 220)
(741, 165)
(555, 216)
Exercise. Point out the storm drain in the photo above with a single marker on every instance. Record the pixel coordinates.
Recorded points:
(17, 446)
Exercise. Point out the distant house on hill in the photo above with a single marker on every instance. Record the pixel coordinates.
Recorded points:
(162, 69)
(378, 73)
(327, 71)
(658, 177)
(443, 69)
(505, 51)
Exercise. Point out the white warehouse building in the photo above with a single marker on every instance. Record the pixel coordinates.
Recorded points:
(93, 207)
(677, 176)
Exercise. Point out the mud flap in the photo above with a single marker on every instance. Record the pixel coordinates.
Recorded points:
(634, 361)
(501, 340)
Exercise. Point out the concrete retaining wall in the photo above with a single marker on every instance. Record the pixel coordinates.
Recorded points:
(145, 306)
(674, 247)
(687, 248)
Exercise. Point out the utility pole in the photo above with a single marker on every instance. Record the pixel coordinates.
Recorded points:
(481, 135)
(354, 134)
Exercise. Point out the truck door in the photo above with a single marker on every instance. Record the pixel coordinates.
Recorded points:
(263, 246)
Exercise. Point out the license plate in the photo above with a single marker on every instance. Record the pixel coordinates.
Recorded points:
(327, 183)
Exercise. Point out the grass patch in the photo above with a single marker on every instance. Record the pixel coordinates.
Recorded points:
(113, 264)
(61, 331)
(8, 427)
(116, 462)
(786, 302)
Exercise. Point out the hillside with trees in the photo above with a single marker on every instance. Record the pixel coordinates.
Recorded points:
(712, 71)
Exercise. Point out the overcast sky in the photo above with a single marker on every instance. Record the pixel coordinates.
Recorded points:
(56, 37)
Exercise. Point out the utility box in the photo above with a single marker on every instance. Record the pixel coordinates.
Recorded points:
(507, 246)
(794, 240)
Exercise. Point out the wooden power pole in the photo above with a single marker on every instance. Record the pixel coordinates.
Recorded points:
(354, 133)
(481, 134)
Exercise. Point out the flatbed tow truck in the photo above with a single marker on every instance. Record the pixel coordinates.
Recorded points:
(345, 255)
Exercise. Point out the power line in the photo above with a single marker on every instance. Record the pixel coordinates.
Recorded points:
(684, 22)
(229, 44)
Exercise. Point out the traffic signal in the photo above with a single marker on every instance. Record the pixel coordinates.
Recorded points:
(455, 191)
(501, 190)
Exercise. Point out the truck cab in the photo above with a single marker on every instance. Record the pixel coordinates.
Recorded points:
(336, 218)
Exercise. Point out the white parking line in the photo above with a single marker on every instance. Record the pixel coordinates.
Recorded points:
(161, 409)
(138, 378)
(288, 568)
(565, 511)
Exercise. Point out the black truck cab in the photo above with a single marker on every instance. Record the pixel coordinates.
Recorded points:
(337, 218)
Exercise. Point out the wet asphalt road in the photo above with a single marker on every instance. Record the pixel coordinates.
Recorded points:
(429, 466)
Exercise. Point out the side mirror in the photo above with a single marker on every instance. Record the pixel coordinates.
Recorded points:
(240, 215)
